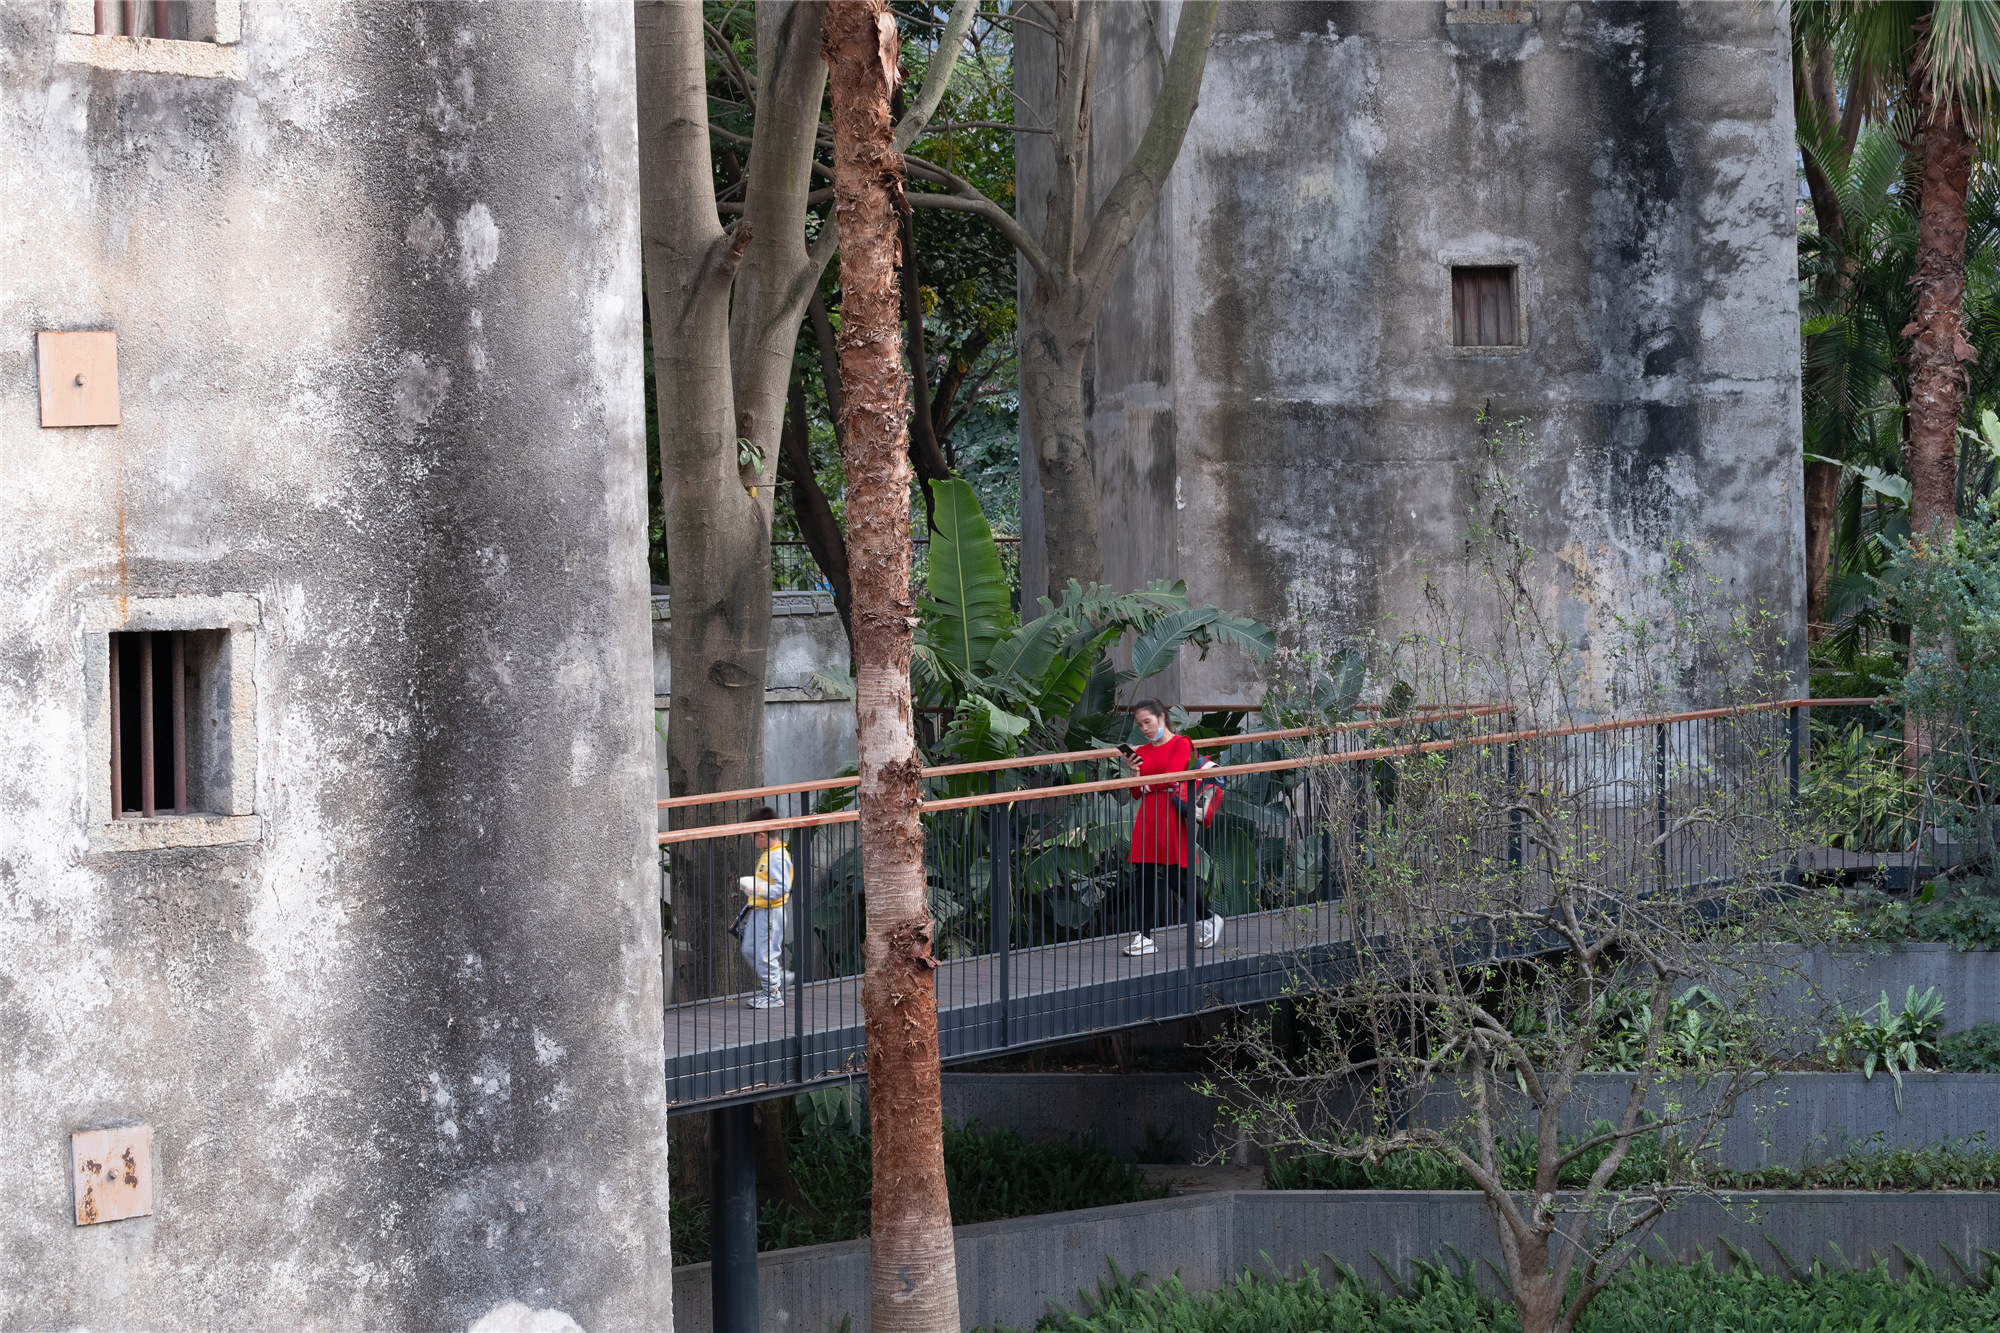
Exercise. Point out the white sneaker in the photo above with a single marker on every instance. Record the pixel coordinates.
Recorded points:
(790, 977)
(769, 999)
(1141, 944)
(1208, 932)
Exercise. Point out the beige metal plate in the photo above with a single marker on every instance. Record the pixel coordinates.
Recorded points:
(79, 375)
(112, 1170)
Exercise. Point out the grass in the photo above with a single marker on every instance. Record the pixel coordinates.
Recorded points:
(1947, 1166)
(991, 1175)
(1648, 1297)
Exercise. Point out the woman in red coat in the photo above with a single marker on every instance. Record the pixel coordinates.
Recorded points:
(1160, 852)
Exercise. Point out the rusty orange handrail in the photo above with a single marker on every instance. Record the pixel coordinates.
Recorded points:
(1065, 757)
(1270, 766)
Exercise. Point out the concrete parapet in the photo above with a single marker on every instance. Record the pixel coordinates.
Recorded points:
(1009, 1272)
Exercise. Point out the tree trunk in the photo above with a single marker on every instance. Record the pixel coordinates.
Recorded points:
(913, 1278)
(926, 455)
(1822, 495)
(771, 291)
(1051, 375)
(775, 1181)
(817, 524)
(1937, 378)
(717, 532)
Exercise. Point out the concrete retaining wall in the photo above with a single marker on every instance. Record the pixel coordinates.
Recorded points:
(1788, 1121)
(1009, 1272)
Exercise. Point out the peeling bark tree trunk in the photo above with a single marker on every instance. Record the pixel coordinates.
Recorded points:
(913, 1281)
(1938, 346)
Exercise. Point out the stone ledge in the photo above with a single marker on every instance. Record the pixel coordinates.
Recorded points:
(1457, 16)
(147, 55)
(144, 835)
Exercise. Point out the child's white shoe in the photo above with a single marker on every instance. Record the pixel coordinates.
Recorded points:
(1208, 932)
(1141, 944)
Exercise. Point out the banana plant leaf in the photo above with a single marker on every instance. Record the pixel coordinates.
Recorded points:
(968, 609)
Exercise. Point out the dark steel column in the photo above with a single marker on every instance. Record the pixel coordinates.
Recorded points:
(732, 1219)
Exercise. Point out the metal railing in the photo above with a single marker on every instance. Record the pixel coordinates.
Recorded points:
(1034, 898)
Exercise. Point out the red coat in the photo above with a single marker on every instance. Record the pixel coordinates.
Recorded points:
(1159, 834)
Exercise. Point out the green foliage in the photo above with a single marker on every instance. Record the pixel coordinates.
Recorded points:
(1892, 1040)
(1976, 1050)
(1965, 913)
(1049, 683)
(1970, 1165)
(990, 1175)
(1648, 1297)
(1430, 1169)
(1701, 1032)
(1948, 590)
(1856, 790)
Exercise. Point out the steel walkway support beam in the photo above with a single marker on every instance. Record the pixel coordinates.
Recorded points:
(732, 1219)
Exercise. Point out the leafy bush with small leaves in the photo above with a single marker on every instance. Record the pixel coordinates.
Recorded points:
(1965, 913)
(1428, 1169)
(1973, 1051)
(1967, 1165)
(1647, 1297)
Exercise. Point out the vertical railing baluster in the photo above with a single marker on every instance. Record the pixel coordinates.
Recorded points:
(1660, 799)
(1513, 797)
(1000, 889)
(801, 923)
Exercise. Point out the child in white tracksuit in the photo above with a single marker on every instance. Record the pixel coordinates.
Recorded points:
(764, 918)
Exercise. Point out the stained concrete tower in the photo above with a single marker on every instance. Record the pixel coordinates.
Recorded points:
(325, 778)
(1285, 381)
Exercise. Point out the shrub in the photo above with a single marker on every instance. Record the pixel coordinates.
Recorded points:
(1646, 1297)
(990, 1175)
(1968, 1165)
(1973, 1051)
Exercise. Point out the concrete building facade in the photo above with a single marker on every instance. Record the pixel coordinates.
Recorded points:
(1283, 392)
(381, 1009)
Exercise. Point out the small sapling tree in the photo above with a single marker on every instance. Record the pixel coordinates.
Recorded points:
(1535, 905)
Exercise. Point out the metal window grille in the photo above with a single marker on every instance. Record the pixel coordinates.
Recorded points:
(171, 20)
(149, 753)
(1483, 305)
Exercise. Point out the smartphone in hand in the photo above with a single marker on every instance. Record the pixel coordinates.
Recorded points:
(1127, 750)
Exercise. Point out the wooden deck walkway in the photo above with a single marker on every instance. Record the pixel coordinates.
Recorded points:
(720, 1049)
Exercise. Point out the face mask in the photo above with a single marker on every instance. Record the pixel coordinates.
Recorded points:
(1153, 731)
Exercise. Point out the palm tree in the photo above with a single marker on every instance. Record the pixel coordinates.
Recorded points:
(1939, 64)
(913, 1277)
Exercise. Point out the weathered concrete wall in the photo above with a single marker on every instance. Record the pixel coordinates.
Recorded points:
(1010, 1272)
(397, 1028)
(1313, 424)
(806, 735)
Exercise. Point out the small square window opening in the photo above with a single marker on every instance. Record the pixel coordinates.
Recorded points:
(1485, 306)
(161, 688)
(162, 20)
